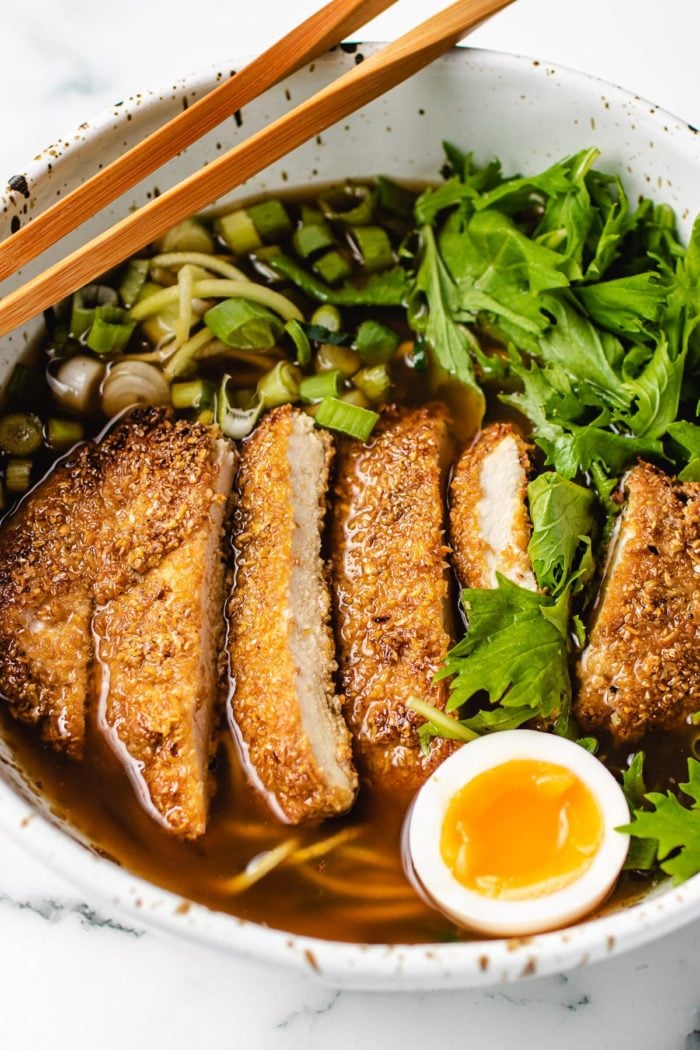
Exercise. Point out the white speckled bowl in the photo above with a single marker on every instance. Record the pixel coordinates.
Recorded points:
(525, 112)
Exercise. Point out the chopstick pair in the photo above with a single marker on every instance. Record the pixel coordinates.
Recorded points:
(377, 74)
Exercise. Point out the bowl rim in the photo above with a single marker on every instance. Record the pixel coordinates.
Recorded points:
(372, 966)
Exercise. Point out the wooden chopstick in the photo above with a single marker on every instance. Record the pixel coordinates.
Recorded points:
(304, 43)
(360, 85)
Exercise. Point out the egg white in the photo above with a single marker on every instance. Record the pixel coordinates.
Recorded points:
(508, 917)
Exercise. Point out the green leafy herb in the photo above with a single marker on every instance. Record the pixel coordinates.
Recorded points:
(562, 516)
(672, 827)
(515, 651)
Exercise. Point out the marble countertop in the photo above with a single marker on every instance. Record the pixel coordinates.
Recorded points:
(74, 975)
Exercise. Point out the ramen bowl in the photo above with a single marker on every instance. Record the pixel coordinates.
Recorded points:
(527, 113)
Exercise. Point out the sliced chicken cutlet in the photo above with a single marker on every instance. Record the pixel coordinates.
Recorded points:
(46, 604)
(391, 587)
(489, 522)
(641, 668)
(284, 705)
(106, 517)
(158, 645)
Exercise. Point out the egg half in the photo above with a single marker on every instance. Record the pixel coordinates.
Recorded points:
(515, 833)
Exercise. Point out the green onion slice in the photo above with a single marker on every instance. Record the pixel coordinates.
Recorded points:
(244, 325)
(350, 205)
(332, 267)
(195, 393)
(327, 316)
(18, 473)
(270, 219)
(111, 330)
(188, 236)
(279, 386)
(21, 434)
(238, 230)
(236, 422)
(347, 419)
(374, 382)
(324, 384)
(64, 433)
(296, 333)
(373, 247)
(308, 240)
(133, 281)
(85, 301)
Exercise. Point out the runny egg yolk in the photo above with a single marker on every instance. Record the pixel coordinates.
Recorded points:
(523, 829)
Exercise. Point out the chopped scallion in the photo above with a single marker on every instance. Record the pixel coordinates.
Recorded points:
(332, 266)
(18, 473)
(330, 357)
(374, 382)
(133, 281)
(196, 393)
(64, 433)
(234, 421)
(373, 247)
(238, 230)
(270, 220)
(244, 324)
(20, 434)
(111, 330)
(347, 419)
(279, 386)
(351, 205)
(327, 316)
(301, 341)
(84, 303)
(375, 342)
(324, 384)
(188, 236)
(308, 240)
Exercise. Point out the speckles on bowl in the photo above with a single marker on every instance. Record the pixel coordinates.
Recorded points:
(496, 106)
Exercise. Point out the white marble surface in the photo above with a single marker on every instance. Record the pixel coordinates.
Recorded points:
(72, 975)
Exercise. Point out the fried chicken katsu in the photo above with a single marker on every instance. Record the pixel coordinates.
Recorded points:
(284, 704)
(641, 668)
(391, 589)
(489, 523)
(95, 548)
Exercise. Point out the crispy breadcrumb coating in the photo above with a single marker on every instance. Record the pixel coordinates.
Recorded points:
(391, 588)
(641, 668)
(284, 704)
(90, 534)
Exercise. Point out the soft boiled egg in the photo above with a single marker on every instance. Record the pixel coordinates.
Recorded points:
(515, 833)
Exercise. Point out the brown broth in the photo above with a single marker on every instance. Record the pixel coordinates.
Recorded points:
(358, 891)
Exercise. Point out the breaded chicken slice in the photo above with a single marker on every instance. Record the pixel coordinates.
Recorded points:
(391, 589)
(489, 522)
(158, 646)
(285, 709)
(93, 530)
(641, 668)
(46, 605)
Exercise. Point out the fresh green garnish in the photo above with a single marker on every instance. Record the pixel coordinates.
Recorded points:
(346, 418)
(516, 650)
(671, 830)
(244, 324)
(562, 513)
